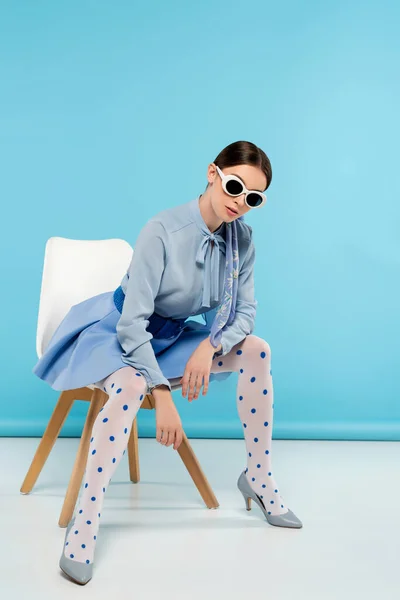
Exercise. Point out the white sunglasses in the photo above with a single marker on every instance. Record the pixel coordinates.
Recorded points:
(234, 186)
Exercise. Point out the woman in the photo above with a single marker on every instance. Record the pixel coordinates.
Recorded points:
(195, 258)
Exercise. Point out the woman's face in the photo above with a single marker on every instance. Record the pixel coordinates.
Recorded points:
(252, 177)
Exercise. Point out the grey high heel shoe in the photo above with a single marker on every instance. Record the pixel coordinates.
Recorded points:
(288, 519)
(78, 571)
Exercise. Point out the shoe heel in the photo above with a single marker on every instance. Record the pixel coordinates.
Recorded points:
(247, 500)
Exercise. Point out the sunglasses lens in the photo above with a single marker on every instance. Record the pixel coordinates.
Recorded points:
(254, 199)
(234, 187)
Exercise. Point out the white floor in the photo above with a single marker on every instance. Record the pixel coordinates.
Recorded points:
(157, 538)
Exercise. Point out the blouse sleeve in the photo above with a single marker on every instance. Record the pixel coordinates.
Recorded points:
(144, 278)
(246, 305)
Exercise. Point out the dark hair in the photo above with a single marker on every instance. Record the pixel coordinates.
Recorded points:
(244, 153)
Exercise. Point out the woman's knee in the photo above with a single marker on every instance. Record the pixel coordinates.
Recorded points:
(127, 379)
(257, 345)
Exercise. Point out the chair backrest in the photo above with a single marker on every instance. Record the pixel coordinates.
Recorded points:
(73, 271)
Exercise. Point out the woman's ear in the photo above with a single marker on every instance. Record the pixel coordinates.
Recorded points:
(211, 173)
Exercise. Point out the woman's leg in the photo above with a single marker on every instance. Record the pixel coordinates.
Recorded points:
(126, 389)
(251, 358)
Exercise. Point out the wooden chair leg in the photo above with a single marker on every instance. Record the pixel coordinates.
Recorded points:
(54, 426)
(97, 401)
(190, 461)
(197, 474)
(133, 453)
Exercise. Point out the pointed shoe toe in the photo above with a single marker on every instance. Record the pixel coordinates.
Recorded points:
(288, 519)
(78, 571)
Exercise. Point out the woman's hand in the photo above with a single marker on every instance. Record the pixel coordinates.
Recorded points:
(197, 368)
(168, 423)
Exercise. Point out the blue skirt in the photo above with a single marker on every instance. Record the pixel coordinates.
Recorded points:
(85, 349)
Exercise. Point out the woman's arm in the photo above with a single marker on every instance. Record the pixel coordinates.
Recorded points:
(145, 272)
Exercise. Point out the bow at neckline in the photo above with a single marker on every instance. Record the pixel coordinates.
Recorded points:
(209, 256)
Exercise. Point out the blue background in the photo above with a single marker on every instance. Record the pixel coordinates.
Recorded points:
(112, 111)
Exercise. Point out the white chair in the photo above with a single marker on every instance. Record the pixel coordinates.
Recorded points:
(73, 271)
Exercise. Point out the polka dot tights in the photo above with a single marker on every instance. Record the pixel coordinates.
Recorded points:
(251, 359)
(126, 388)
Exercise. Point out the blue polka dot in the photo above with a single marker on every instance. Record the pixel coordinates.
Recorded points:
(93, 498)
(114, 459)
(67, 543)
(258, 466)
(266, 424)
(249, 453)
(112, 438)
(76, 532)
(81, 511)
(256, 439)
(239, 352)
(138, 375)
(253, 478)
(94, 537)
(252, 379)
(241, 370)
(244, 425)
(100, 469)
(275, 491)
(86, 484)
(99, 514)
(83, 546)
(93, 452)
(240, 397)
(125, 407)
(105, 389)
(119, 390)
(267, 452)
(253, 410)
(262, 354)
(265, 392)
(71, 556)
(270, 474)
(92, 439)
(87, 561)
(105, 420)
(246, 470)
(89, 522)
(112, 385)
(263, 485)
(104, 489)
(272, 502)
(126, 430)
(141, 397)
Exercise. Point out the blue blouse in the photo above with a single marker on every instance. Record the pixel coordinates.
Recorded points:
(177, 273)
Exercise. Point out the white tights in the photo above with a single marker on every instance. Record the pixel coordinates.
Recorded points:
(126, 388)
